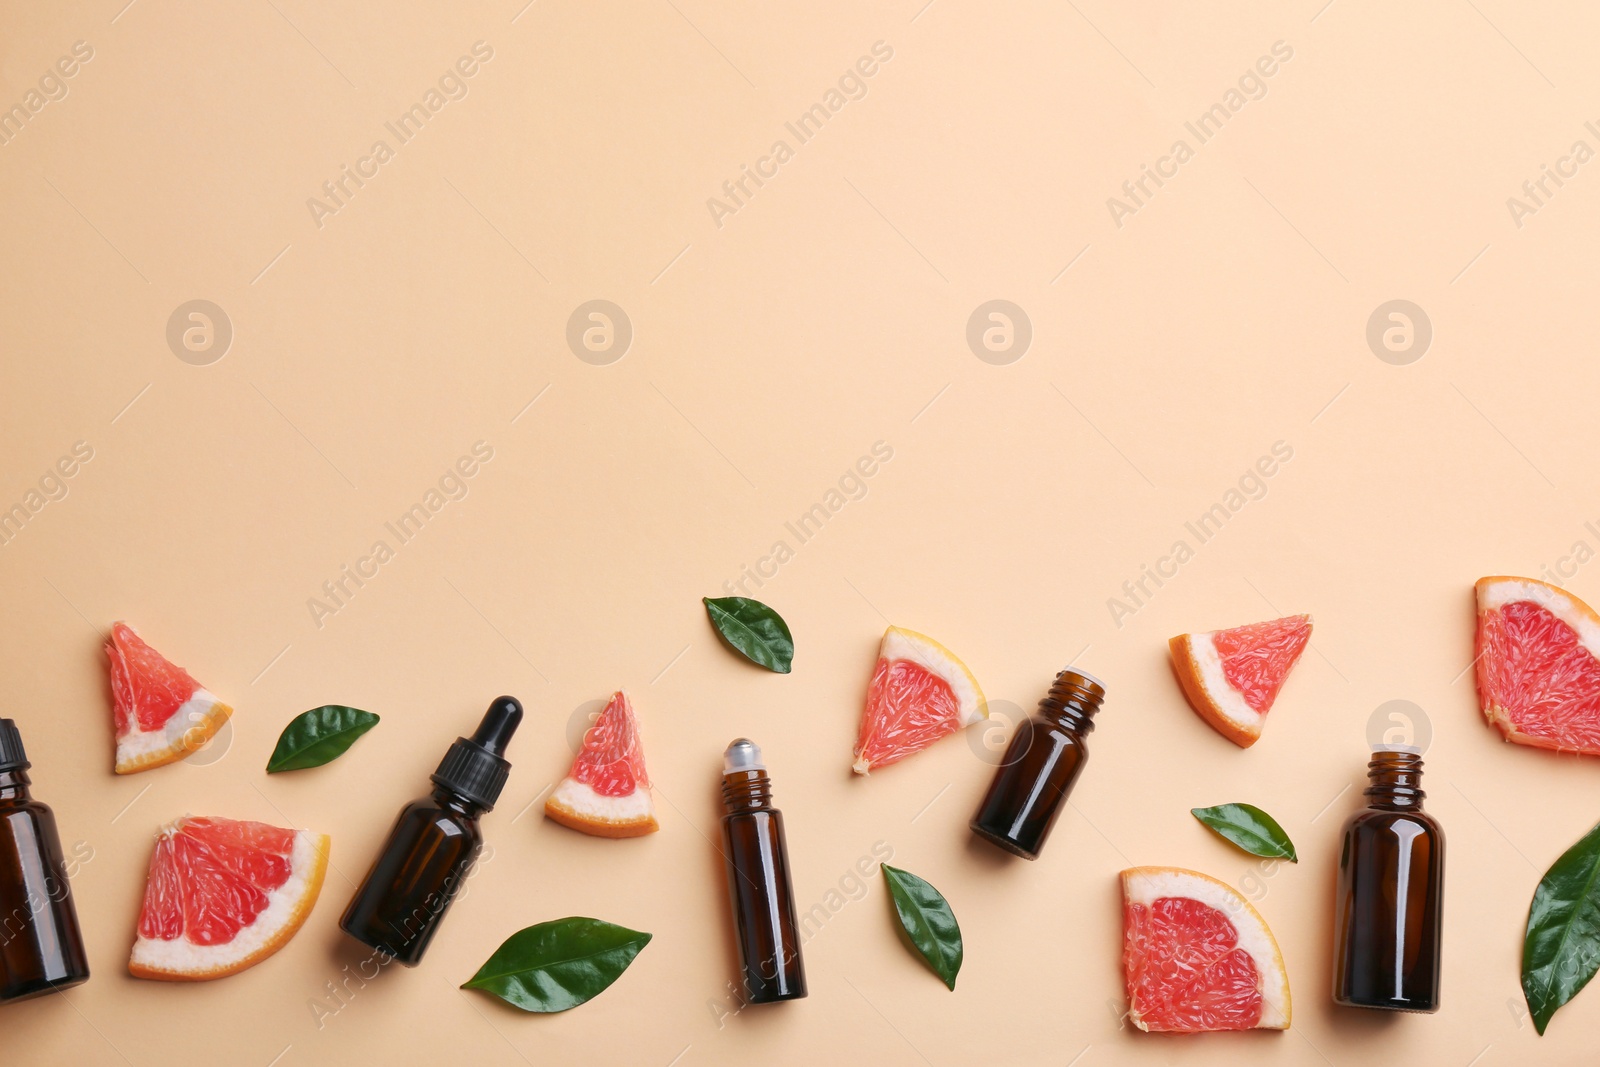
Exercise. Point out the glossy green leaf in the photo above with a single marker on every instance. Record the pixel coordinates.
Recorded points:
(1250, 828)
(1561, 949)
(319, 736)
(928, 922)
(755, 631)
(558, 965)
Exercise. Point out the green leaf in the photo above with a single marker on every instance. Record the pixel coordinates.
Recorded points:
(319, 736)
(558, 965)
(754, 630)
(1250, 828)
(1561, 950)
(929, 923)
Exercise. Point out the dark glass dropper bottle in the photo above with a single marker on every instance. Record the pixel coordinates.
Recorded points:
(1043, 760)
(1389, 904)
(765, 927)
(434, 842)
(41, 948)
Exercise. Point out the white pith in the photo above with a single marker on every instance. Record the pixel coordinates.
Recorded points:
(1228, 700)
(194, 714)
(184, 958)
(927, 654)
(1145, 885)
(579, 799)
(1511, 590)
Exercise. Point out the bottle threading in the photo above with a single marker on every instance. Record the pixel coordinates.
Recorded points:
(1040, 766)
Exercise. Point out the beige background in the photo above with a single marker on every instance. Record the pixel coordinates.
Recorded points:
(770, 353)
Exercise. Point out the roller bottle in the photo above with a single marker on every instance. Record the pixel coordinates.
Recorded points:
(766, 931)
(435, 841)
(41, 947)
(1042, 762)
(1389, 900)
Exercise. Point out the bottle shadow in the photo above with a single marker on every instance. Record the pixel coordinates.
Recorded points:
(992, 857)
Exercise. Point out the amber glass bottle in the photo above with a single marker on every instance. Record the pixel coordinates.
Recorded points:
(1043, 760)
(431, 849)
(41, 948)
(765, 928)
(1390, 894)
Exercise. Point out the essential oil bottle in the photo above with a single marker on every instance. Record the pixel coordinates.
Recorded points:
(1043, 760)
(765, 927)
(41, 947)
(1390, 893)
(435, 841)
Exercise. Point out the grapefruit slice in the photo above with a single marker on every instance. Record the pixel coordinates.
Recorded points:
(607, 792)
(919, 693)
(1231, 677)
(1197, 956)
(162, 714)
(223, 895)
(1537, 666)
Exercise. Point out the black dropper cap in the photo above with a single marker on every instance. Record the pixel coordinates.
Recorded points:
(476, 767)
(12, 755)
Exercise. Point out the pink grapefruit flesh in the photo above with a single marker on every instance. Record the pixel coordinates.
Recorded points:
(607, 792)
(223, 895)
(160, 712)
(1232, 677)
(1537, 669)
(1196, 956)
(919, 693)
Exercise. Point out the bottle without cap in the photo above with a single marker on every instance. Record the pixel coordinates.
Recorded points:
(1389, 903)
(1040, 767)
(431, 849)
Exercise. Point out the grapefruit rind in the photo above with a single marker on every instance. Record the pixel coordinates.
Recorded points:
(1198, 664)
(288, 907)
(933, 657)
(191, 726)
(1199, 668)
(1499, 590)
(576, 805)
(1496, 592)
(901, 644)
(143, 680)
(1145, 885)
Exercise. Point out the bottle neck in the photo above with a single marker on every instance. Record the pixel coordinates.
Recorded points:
(450, 800)
(1072, 702)
(1395, 781)
(746, 791)
(14, 785)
